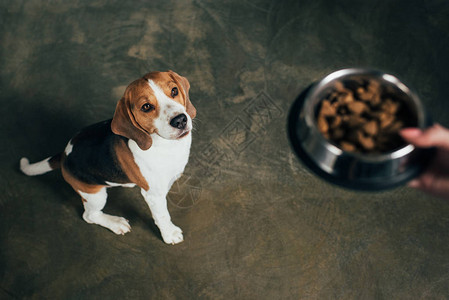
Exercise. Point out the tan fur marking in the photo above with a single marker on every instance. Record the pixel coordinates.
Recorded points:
(79, 185)
(185, 87)
(126, 160)
(129, 120)
(166, 83)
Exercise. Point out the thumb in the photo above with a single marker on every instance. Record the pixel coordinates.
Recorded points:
(435, 136)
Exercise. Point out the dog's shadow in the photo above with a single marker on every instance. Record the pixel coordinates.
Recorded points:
(47, 134)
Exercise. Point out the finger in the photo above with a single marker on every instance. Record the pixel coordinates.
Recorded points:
(435, 136)
(415, 183)
(428, 182)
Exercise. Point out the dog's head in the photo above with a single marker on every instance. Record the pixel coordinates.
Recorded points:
(158, 104)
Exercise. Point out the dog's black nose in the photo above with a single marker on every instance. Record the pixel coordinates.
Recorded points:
(179, 121)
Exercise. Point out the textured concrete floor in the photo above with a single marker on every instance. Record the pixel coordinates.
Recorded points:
(257, 224)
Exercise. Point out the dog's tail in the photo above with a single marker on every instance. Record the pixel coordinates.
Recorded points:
(41, 167)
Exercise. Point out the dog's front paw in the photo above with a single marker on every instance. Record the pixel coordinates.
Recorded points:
(118, 225)
(172, 234)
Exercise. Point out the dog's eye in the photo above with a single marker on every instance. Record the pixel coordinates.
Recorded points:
(174, 92)
(147, 107)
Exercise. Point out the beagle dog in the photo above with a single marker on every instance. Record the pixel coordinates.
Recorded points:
(146, 143)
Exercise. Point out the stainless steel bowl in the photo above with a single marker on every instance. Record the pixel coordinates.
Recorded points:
(348, 169)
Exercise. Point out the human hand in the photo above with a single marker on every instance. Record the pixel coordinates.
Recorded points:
(435, 179)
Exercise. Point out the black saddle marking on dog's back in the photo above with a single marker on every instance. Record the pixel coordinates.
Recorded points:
(93, 159)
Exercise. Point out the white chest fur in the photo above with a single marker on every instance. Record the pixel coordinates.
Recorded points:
(163, 162)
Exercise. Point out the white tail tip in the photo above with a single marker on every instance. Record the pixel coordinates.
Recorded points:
(36, 168)
(24, 164)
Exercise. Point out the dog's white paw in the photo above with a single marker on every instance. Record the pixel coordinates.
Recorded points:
(118, 225)
(172, 234)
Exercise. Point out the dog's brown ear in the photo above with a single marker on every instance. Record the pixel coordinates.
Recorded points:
(125, 125)
(191, 110)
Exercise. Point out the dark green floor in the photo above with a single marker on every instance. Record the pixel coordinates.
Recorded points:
(257, 224)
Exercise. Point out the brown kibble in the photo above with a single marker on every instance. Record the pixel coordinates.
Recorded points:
(346, 98)
(335, 104)
(336, 122)
(357, 107)
(366, 141)
(347, 146)
(371, 128)
(322, 125)
(385, 120)
(333, 97)
(390, 106)
(374, 86)
(355, 121)
(360, 90)
(327, 109)
(339, 87)
(376, 100)
(395, 127)
(358, 117)
(364, 95)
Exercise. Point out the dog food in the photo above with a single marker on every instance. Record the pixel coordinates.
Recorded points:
(361, 115)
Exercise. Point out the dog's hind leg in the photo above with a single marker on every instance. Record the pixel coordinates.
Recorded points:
(93, 214)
